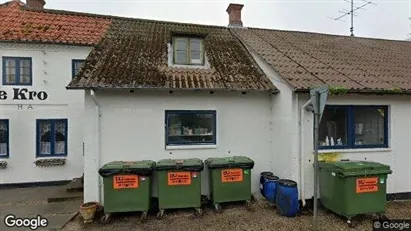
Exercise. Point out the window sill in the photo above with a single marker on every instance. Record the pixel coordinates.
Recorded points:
(59, 156)
(17, 84)
(182, 147)
(50, 162)
(355, 150)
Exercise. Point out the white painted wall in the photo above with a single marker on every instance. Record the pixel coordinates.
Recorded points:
(398, 155)
(133, 128)
(52, 71)
(284, 149)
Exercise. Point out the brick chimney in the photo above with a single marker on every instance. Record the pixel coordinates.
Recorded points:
(37, 4)
(234, 14)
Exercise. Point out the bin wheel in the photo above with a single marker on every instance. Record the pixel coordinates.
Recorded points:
(218, 208)
(143, 217)
(160, 215)
(350, 224)
(106, 218)
(382, 217)
(198, 212)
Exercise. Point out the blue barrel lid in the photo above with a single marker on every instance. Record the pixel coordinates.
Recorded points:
(272, 178)
(267, 174)
(287, 183)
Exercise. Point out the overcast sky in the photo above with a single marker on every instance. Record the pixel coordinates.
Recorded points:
(387, 19)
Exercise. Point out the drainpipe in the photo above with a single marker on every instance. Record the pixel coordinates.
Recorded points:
(98, 113)
(303, 108)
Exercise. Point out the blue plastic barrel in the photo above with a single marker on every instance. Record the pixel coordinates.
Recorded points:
(270, 188)
(287, 198)
(263, 180)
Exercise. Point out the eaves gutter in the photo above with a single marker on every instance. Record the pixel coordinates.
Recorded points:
(363, 92)
(47, 43)
(273, 91)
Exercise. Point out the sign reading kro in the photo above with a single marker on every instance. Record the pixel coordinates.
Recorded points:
(23, 94)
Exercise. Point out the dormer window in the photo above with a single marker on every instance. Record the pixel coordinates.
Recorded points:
(188, 51)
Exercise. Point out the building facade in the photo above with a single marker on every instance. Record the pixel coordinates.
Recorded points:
(41, 123)
(44, 121)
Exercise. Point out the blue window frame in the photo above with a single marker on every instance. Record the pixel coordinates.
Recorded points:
(51, 137)
(4, 138)
(76, 65)
(190, 127)
(351, 127)
(17, 71)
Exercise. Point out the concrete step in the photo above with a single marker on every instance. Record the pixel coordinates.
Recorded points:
(76, 185)
(63, 195)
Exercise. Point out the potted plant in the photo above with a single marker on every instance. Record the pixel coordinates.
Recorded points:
(88, 210)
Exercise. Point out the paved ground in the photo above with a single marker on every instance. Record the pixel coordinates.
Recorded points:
(30, 202)
(236, 217)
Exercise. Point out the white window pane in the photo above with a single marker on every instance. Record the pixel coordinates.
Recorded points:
(369, 126)
(77, 66)
(45, 148)
(3, 149)
(4, 135)
(195, 45)
(11, 63)
(10, 71)
(181, 44)
(60, 147)
(333, 127)
(181, 57)
(24, 63)
(10, 78)
(60, 136)
(25, 79)
(196, 57)
(45, 137)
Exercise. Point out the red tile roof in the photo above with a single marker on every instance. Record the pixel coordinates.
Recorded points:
(306, 60)
(20, 23)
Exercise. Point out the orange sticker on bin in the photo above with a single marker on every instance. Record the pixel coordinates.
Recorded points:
(232, 175)
(125, 181)
(179, 178)
(365, 185)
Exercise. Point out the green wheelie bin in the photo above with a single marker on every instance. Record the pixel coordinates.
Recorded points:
(179, 184)
(351, 188)
(229, 180)
(127, 187)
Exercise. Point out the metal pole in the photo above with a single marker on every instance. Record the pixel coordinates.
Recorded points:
(352, 18)
(316, 125)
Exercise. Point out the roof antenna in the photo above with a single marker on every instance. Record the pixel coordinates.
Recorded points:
(352, 12)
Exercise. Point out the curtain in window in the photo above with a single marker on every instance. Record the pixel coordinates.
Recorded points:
(10, 70)
(45, 138)
(3, 138)
(77, 66)
(25, 71)
(60, 133)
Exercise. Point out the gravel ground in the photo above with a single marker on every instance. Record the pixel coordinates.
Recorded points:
(237, 217)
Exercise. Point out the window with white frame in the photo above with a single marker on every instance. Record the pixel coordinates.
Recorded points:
(188, 51)
(188, 127)
(52, 137)
(17, 71)
(354, 127)
(4, 138)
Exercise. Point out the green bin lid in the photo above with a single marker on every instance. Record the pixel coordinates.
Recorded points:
(143, 167)
(230, 162)
(192, 164)
(355, 168)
